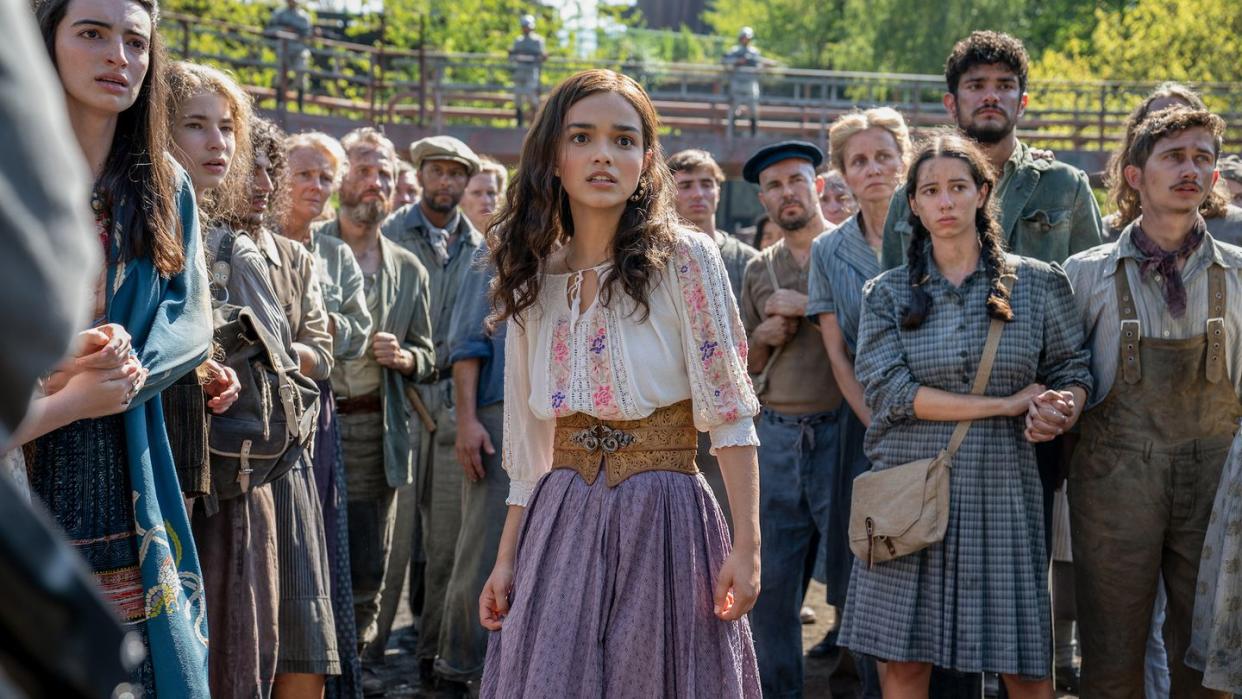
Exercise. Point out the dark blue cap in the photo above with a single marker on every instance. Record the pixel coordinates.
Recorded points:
(770, 155)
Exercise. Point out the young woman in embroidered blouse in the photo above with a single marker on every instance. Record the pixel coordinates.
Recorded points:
(623, 337)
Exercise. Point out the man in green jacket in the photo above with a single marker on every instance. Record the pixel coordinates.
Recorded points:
(1047, 210)
(437, 232)
(373, 403)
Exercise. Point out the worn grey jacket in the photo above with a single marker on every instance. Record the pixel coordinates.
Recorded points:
(404, 312)
(1047, 212)
(340, 282)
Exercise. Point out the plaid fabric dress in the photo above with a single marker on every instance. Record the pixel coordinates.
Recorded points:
(978, 601)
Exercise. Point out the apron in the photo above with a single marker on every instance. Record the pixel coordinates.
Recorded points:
(1141, 489)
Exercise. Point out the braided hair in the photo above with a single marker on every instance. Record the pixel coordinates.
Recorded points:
(953, 145)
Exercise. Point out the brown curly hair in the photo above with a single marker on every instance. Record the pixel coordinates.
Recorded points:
(952, 145)
(986, 48)
(231, 199)
(535, 220)
(1121, 194)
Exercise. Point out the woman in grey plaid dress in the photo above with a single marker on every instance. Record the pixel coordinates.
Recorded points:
(977, 601)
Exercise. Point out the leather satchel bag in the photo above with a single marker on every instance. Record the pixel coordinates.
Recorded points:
(901, 510)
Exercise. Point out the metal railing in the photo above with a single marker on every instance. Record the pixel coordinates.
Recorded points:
(379, 84)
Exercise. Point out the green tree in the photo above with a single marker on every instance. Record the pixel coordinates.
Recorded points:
(1192, 40)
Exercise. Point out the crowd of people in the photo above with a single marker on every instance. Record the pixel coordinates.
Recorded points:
(319, 376)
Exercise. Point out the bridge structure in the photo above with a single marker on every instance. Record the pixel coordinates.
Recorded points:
(415, 93)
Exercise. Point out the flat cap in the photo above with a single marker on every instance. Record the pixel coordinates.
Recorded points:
(1230, 167)
(770, 155)
(444, 148)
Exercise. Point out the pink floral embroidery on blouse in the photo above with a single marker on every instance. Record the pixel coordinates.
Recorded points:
(561, 368)
(600, 376)
(722, 387)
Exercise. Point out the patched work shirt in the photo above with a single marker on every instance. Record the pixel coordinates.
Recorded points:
(1095, 294)
(1047, 211)
(800, 380)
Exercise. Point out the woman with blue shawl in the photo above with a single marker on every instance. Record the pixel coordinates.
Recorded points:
(103, 465)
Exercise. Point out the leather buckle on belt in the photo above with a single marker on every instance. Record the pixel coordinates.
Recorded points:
(602, 438)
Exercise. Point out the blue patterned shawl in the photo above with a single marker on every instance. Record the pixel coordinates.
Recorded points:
(170, 322)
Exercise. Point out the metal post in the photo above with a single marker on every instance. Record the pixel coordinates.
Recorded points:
(282, 49)
(422, 70)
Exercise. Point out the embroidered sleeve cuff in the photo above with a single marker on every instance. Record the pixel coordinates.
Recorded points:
(735, 434)
(520, 492)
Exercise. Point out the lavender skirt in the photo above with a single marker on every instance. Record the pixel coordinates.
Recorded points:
(612, 595)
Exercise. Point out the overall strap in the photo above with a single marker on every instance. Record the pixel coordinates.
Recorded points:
(1131, 330)
(1215, 331)
(984, 372)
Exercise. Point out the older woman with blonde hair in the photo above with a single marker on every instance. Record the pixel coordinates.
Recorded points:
(869, 148)
(316, 164)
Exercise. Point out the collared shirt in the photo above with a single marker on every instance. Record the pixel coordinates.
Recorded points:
(1095, 294)
(743, 65)
(409, 228)
(1225, 229)
(800, 381)
(841, 263)
(341, 286)
(292, 272)
(736, 256)
(1046, 209)
(527, 55)
(468, 334)
(362, 375)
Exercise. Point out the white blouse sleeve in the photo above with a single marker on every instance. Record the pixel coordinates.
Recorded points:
(715, 345)
(526, 451)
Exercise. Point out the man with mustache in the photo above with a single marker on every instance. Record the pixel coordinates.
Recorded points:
(1159, 307)
(443, 239)
(374, 411)
(1046, 207)
(798, 425)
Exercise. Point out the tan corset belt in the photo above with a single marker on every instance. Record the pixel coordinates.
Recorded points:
(663, 441)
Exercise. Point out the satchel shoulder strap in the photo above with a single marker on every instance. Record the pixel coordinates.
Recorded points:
(984, 373)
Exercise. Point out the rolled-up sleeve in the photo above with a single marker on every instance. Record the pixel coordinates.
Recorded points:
(468, 338)
(888, 384)
(819, 289)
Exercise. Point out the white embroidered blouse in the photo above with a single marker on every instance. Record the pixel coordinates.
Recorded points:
(606, 362)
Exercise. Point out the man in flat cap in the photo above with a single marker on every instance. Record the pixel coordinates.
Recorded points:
(527, 56)
(743, 63)
(797, 427)
(442, 238)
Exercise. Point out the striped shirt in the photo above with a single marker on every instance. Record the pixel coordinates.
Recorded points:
(841, 262)
(1095, 294)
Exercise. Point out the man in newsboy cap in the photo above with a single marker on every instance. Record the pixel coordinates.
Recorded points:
(798, 426)
(442, 238)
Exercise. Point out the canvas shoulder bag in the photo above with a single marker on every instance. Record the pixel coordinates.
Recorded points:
(905, 509)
